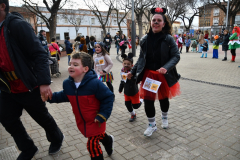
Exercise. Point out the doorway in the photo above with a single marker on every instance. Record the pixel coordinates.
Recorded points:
(48, 37)
(66, 34)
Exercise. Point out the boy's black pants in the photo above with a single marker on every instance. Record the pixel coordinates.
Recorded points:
(11, 107)
(94, 147)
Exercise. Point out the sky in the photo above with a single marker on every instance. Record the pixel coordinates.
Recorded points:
(83, 6)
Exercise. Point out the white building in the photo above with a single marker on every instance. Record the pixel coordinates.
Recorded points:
(68, 21)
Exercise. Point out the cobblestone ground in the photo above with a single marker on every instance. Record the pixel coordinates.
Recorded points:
(204, 121)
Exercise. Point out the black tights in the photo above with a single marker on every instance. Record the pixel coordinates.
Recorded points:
(150, 108)
(233, 51)
(109, 84)
(130, 106)
(180, 49)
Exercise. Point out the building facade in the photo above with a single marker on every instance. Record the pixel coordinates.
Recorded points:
(213, 19)
(80, 22)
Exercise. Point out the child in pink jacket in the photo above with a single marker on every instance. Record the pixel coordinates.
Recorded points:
(103, 65)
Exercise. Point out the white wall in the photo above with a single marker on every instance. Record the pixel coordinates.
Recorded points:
(90, 30)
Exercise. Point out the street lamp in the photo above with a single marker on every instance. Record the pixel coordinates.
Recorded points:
(227, 14)
(133, 34)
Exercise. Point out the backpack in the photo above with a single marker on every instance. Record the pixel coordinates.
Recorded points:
(81, 47)
(89, 46)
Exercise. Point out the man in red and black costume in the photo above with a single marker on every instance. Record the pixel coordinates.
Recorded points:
(24, 78)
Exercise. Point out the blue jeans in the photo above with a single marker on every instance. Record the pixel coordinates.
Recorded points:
(69, 57)
(199, 48)
(118, 48)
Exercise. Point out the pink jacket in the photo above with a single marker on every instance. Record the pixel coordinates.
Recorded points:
(52, 50)
(106, 67)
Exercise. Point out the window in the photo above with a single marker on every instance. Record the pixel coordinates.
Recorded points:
(237, 19)
(65, 20)
(92, 20)
(57, 36)
(58, 20)
(207, 22)
(78, 20)
(216, 12)
(208, 13)
(41, 20)
(215, 21)
(115, 22)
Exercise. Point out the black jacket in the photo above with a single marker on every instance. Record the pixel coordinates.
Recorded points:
(225, 42)
(43, 41)
(205, 47)
(169, 58)
(29, 58)
(130, 87)
(109, 42)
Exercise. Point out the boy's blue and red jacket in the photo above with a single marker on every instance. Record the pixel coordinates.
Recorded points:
(91, 100)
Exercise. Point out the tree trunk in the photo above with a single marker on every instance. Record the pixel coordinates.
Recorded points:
(139, 20)
(120, 29)
(233, 19)
(104, 31)
(53, 25)
(76, 32)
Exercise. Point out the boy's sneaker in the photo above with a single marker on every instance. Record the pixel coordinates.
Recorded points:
(55, 147)
(149, 131)
(110, 148)
(28, 154)
(133, 118)
(164, 122)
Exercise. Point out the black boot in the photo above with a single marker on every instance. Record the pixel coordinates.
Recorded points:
(224, 59)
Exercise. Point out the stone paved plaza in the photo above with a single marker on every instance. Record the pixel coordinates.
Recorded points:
(204, 121)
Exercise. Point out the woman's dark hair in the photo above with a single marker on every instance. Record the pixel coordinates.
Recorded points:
(67, 38)
(7, 5)
(123, 36)
(53, 39)
(77, 38)
(92, 38)
(167, 29)
(41, 31)
(104, 52)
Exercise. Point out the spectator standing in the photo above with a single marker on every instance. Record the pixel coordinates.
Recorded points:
(215, 47)
(117, 41)
(24, 70)
(83, 46)
(225, 43)
(90, 46)
(194, 46)
(87, 39)
(76, 44)
(107, 42)
(200, 42)
(188, 43)
(206, 34)
(234, 42)
(43, 40)
(68, 48)
(180, 42)
(54, 49)
(123, 44)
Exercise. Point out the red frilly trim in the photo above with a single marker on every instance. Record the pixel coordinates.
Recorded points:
(164, 90)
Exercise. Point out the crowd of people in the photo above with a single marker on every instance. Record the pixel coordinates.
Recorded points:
(201, 44)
